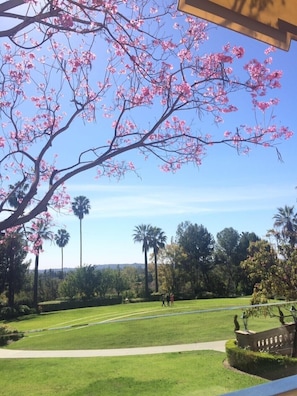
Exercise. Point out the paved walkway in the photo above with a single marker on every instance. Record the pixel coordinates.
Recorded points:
(20, 354)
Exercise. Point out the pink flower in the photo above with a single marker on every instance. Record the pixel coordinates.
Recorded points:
(238, 52)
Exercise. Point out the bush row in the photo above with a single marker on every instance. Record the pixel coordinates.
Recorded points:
(7, 335)
(262, 364)
(72, 304)
(7, 313)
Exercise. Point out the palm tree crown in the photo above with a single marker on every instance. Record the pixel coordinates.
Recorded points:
(37, 233)
(62, 238)
(286, 221)
(80, 206)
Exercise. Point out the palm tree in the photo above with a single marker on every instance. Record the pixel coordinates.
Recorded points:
(18, 192)
(286, 221)
(62, 238)
(142, 234)
(157, 242)
(37, 233)
(80, 206)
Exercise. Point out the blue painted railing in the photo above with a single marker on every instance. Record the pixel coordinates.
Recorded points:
(282, 387)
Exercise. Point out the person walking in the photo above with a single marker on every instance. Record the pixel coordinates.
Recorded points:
(168, 299)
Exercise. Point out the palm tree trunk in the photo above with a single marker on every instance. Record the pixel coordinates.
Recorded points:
(80, 236)
(146, 273)
(35, 287)
(62, 263)
(156, 274)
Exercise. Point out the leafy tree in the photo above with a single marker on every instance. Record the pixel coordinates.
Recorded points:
(142, 234)
(86, 281)
(261, 265)
(69, 286)
(171, 268)
(120, 281)
(131, 276)
(226, 252)
(12, 266)
(157, 242)
(54, 84)
(62, 239)
(198, 244)
(106, 281)
(231, 248)
(80, 206)
(82, 282)
(245, 285)
(48, 285)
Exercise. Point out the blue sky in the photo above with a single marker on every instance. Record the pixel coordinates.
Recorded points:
(228, 190)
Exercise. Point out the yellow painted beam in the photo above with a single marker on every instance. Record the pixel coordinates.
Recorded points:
(271, 21)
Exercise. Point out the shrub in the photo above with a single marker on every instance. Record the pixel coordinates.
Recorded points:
(7, 313)
(74, 304)
(262, 364)
(7, 335)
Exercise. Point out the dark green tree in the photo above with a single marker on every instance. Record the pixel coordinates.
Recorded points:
(62, 238)
(262, 265)
(245, 286)
(173, 278)
(106, 281)
(120, 281)
(157, 242)
(48, 285)
(13, 269)
(227, 256)
(81, 207)
(198, 244)
(142, 234)
(231, 248)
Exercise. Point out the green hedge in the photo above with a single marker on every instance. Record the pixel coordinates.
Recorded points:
(262, 364)
(8, 335)
(72, 304)
(7, 313)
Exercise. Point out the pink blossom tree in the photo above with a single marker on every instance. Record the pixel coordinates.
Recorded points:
(114, 77)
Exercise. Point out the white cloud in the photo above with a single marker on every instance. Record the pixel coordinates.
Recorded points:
(110, 201)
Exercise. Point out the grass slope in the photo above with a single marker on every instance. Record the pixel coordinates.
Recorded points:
(130, 325)
(135, 325)
(184, 374)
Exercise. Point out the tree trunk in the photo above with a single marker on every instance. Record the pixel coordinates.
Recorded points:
(35, 287)
(156, 274)
(80, 236)
(146, 274)
(62, 263)
(11, 279)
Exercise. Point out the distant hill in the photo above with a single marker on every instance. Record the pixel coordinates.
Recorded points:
(115, 266)
(97, 266)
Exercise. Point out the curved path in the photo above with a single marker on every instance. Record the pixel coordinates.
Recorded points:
(22, 354)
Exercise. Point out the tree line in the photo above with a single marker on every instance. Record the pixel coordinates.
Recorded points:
(193, 265)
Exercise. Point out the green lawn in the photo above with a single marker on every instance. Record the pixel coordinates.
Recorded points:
(133, 325)
(129, 325)
(183, 374)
